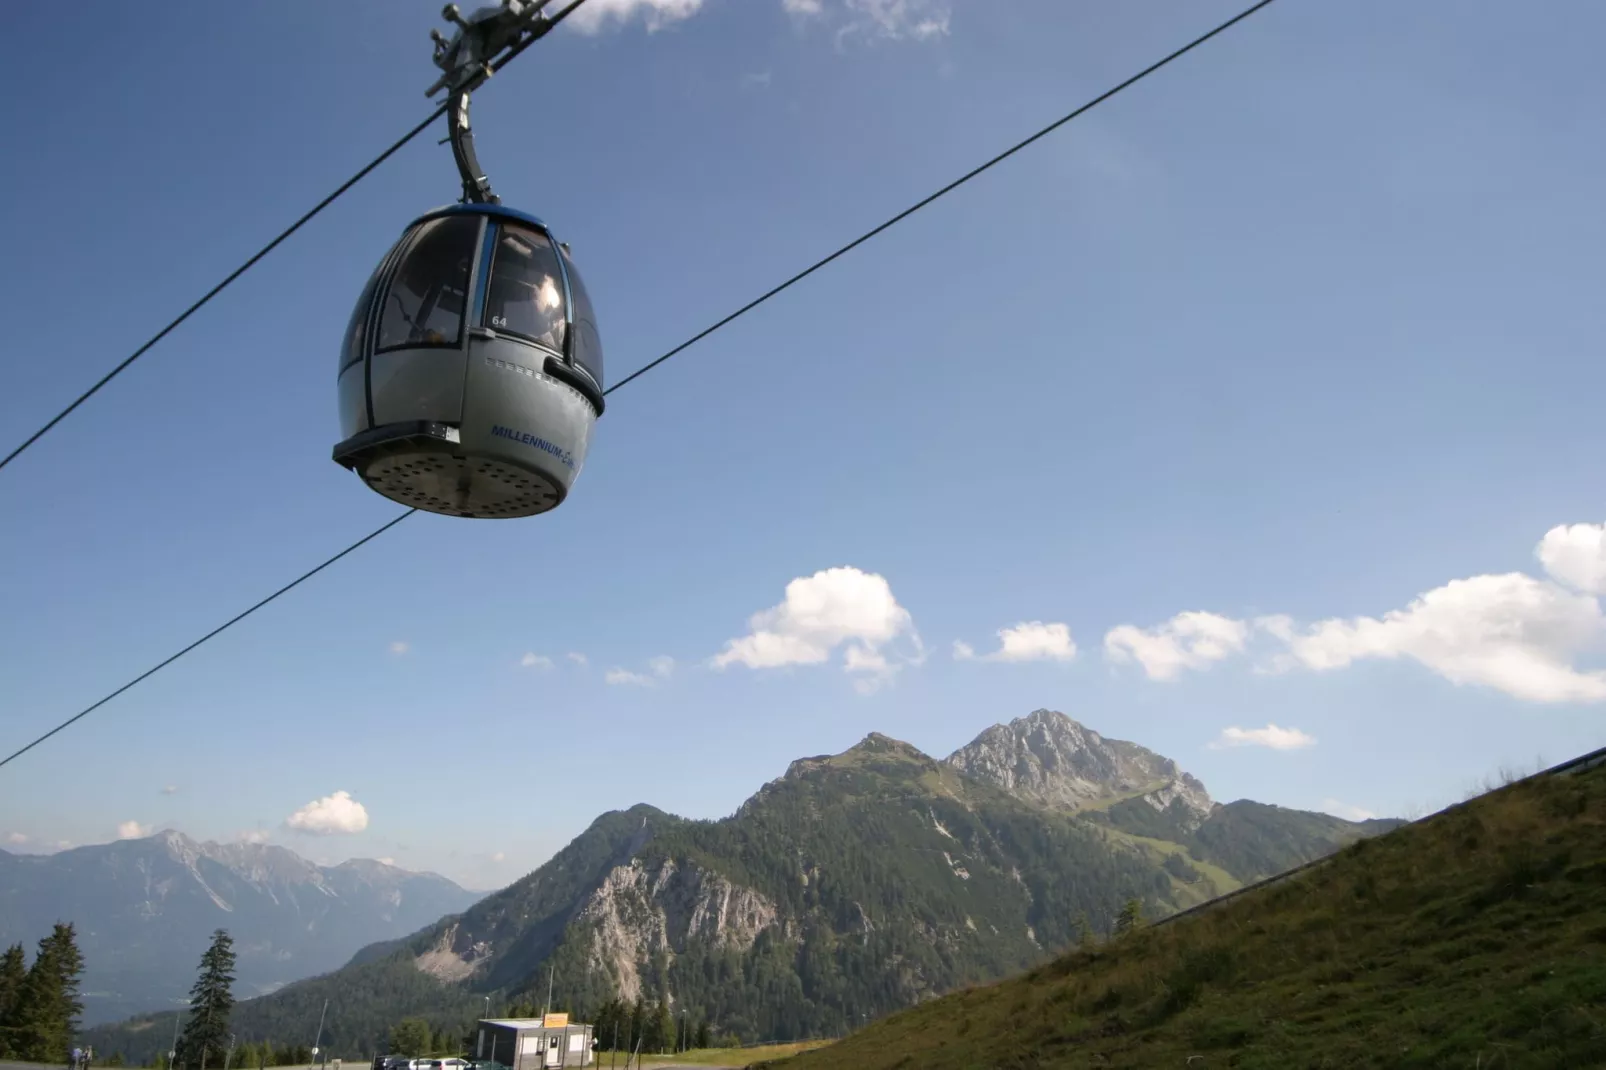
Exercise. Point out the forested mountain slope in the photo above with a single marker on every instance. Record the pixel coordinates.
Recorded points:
(851, 886)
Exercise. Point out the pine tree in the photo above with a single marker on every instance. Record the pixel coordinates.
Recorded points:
(664, 1028)
(13, 972)
(1084, 931)
(47, 1006)
(206, 1034)
(1130, 918)
(702, 1036)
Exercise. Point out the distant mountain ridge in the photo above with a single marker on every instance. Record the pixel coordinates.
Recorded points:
(145, 910)
(854, 884)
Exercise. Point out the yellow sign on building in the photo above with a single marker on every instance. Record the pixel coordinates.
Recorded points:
(555, 1021)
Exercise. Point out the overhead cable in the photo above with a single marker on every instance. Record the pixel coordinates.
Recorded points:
(699, 336)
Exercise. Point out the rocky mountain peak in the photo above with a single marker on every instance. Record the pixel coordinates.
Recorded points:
(1049, 759)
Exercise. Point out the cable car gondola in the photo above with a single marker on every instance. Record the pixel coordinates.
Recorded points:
(471, 374)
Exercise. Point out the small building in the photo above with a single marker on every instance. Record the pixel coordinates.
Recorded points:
(534, 1043)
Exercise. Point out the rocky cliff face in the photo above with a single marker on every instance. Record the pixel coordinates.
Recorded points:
(1048, 759)
(642, 911)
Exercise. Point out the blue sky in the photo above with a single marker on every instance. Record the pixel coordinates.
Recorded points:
(1289, 337)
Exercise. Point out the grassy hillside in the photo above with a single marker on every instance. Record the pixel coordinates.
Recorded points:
(1476, 938)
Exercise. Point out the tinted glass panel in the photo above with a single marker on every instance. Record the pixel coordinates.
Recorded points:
(351, 351)
(587, 341)
(526, 294)
(425, 304)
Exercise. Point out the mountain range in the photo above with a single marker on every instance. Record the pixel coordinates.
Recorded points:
(853, 885)
(145, 909)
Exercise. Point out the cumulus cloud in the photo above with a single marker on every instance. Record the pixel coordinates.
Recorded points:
(835, 608)
(1272, 736)
(892, 20)
(386, 861)
(17, 839)
(499, 856)
(594, 15)
(579, 659)
(1189, 640)
(331, 815)
(1510, 632)
(399, 647)
(253, 836)
(1346, 811)
(170, 789)
(535, 661)
(132, 830)
(1032, 640)
(1575, 554)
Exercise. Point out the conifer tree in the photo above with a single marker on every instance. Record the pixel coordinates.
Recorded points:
(1130, 918)
(702, 1035)
(206, 1034)
(45, 1015)
(13, 972)
(664, 1029)
(1084, 931)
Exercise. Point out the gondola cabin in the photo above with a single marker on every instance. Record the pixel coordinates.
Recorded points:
(471, 374)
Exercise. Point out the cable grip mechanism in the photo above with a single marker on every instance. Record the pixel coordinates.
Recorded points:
(466, 60)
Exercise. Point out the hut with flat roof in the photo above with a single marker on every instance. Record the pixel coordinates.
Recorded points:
(534, 1043)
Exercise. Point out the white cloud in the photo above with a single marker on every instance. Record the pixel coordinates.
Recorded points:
(662, 667)
(1271, 736)
(836, 607)
(1575, 554)
(1190, 640)
(387, 861)
(579, 659)
(1027, 641)
(399, 647)
(918, 20)
(253, 836)
(170, 789)
(535, 661)
(132, 830)
(62, 845)
(17, 839)
(893, 20)
(499, 856)
(330, 815)
(594, 15)
(1346, 811)
(1510, 632)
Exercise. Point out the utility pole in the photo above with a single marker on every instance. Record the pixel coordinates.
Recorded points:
(172, 1053)
(318, 1039)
